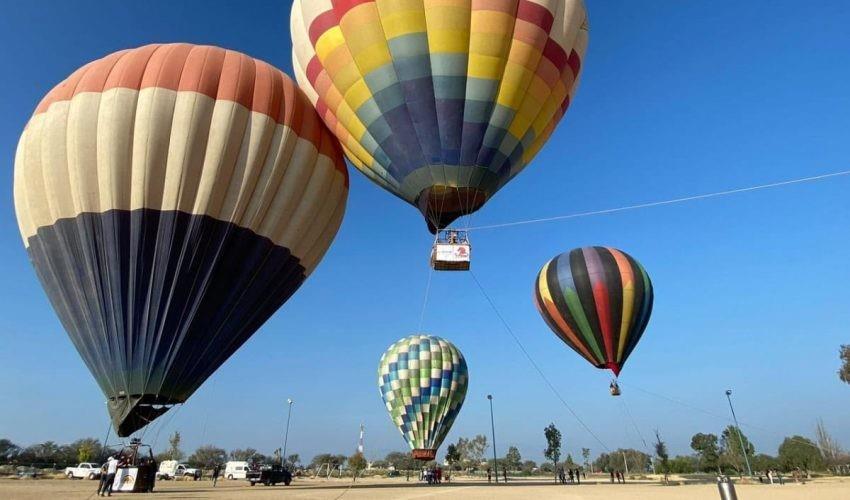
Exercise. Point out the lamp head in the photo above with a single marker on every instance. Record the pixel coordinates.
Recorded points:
(728, 392)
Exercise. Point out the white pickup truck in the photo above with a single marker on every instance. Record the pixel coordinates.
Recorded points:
(85, 470)
(171, 469)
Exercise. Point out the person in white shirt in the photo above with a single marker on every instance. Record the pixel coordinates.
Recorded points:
(111, 470)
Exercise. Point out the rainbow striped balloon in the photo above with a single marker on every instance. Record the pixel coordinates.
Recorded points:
(423, 381)
(598, 301)
(441, 102)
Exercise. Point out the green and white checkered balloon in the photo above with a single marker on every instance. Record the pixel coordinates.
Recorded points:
(423, 381)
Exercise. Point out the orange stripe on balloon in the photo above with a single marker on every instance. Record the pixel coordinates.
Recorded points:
(552, 309)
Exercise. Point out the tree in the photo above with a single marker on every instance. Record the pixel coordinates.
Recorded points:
(661, 453)
(799, 452)
(401, 461)
(553, 445)
(357, 463)
(731, 453)
(453, 457)
(86, 450)
(174, 452)
(844, 373)
(528, 466)
(709, 453)
(636, 460)
(683, 464)
(513, 459)
(472, 450)
(585, 455)
(764, 462)
(292, 461)
(829, 448)
(208, 456)
(245, 455)
(8, 450)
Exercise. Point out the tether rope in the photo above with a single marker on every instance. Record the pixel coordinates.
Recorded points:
(665, 202)
(534, 364)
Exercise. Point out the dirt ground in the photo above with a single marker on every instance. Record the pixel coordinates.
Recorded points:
(822, 489)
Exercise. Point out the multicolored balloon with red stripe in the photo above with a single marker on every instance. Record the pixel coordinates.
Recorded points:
(440, 102)
(597, 300)
(171, 199)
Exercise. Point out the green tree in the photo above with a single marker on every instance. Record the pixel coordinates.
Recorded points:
(683, 464)
(401, 461)
(528, 467)
(706, 446)
(731, 453)
(453, 457)
(8, 450)
(87, 450)
(207, 457)
(472, 450)
(844, 372)
(799, 452)
(553, 445)
(637, 461)
(513, 459)
(357, 463)
(763, 462)
(174, 452)
(292, 461)
(246, 455)
(663, 456)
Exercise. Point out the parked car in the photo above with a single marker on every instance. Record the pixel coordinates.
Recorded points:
(269, 475)
(236, 470)
(85, 470)
(171, 469)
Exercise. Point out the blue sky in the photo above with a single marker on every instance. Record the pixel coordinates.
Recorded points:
(677, 98)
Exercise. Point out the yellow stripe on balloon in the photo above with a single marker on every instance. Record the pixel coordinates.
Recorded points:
(628, 279)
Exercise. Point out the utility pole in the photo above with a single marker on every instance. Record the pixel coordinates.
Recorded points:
(738, 430)
(626, 463)
(493, 428)
(360, 444)
(286, 436)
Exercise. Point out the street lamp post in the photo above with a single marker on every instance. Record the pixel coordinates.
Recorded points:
(738, 430)
(493, 429)
(286, 435)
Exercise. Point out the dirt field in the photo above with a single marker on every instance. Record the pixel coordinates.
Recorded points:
(824, 489)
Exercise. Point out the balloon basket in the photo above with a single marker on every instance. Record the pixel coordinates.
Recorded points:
(425, 455)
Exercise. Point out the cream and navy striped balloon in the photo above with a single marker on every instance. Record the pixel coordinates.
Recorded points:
(171, 199)
(423, 381)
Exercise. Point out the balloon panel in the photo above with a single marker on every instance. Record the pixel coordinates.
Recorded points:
(598, 301)
(171, 198)
(423, 381)
(440, 102)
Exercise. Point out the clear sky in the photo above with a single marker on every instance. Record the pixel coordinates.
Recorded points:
(677, 98)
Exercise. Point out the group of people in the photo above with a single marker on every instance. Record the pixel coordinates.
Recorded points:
(570, 476)
(432, 476)
(107, 474)
(617, 477)
(490, 475)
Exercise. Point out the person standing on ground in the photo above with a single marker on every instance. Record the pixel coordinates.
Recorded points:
(489, 475)
(578, 476)
(104, 471)
(216, 472)
(612, 476)
(505, 474)
(570, 475)
(111, 470)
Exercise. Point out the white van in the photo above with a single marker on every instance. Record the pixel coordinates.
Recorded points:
(235, 470)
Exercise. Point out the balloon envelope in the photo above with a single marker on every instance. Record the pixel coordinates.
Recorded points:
(440, 102)
(423, 381)
(598, 301)
(171, 199)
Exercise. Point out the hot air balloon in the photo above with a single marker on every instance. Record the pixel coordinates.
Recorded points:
(423, 381)
(171, 199)
(598, 301)
(440, 102)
